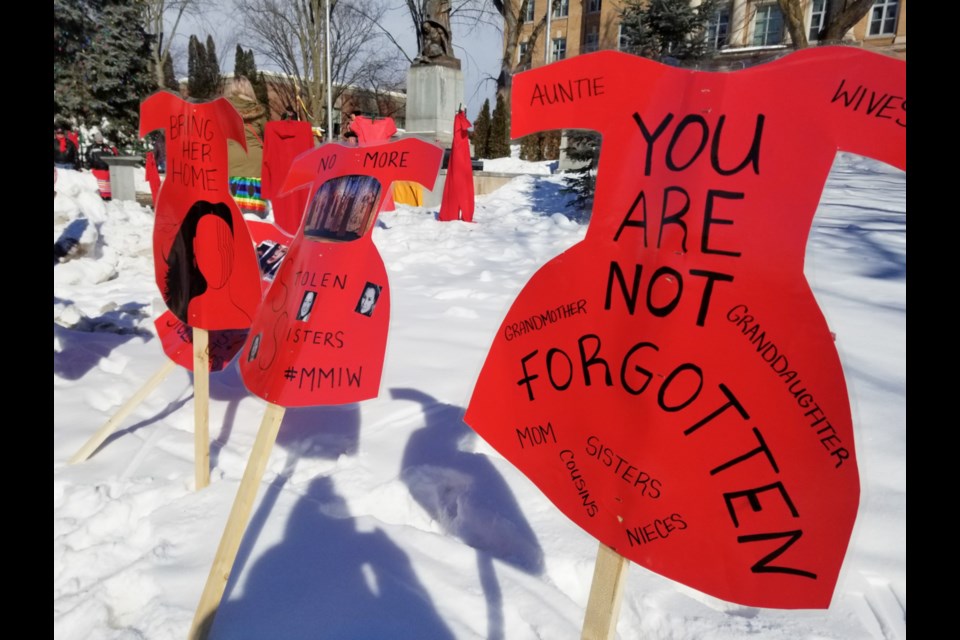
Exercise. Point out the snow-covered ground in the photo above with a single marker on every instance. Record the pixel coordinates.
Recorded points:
(390, 518)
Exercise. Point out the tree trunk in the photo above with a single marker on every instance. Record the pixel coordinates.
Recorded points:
(512, 24)
(793, 15)
(840, 18)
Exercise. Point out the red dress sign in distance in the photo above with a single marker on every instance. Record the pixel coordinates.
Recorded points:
(284, 140)
(203, 256)
(321, 333)
(458, 198)
(370, 131)
(670, 382)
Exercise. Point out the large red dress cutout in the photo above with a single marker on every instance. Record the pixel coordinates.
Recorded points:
(670, 382)
(458, 199)
(203, 256)
(321, 333)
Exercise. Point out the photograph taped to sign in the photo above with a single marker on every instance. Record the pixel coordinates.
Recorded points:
(272, 244)
(670, 382)
(342, 209)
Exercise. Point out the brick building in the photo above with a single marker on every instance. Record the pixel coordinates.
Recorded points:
(740, 29)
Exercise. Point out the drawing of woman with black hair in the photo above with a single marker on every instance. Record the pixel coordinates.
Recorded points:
(199, 266)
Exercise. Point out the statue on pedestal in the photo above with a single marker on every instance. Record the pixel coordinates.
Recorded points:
(436, 36)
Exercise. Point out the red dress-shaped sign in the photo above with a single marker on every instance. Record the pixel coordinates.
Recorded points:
(284, 140)
(203, 256)
(321, 334)
(153, 177)
(457, 202)
(670, 382)
(373, 131)
(376, 132)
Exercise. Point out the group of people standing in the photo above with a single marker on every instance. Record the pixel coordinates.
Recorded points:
(66, 155)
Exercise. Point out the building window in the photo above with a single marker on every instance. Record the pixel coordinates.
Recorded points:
(718, 29)
(818, 11)
(522, 51)
(591, 39)
(561, 8)
(768, 26)
(593, 6)
(528, 16)
(621, 38)
(883, 17)
(559, 50)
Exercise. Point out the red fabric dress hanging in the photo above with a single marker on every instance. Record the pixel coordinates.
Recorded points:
(376, 132)
(458, 198)
(284, 140)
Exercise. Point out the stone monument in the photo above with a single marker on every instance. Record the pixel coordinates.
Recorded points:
(434, 81)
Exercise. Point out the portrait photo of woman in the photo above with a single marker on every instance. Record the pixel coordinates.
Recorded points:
(368, 299)
(306, 305)
(254, 347)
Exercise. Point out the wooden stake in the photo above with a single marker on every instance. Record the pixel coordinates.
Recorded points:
(236, 524)
(111, 425)
(201, 408)
(603, 607)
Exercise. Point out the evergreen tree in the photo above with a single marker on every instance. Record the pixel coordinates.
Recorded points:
(544, 145)
(72, 32)
(667, 30)
(100, 64)
(499, 131)
(583, 148)
(245, 65)
(670, 31)
(212, 69)
(240, 62)
(169, 77)
(530, 147)
(481, 132)
(260, 88)
(196, 57)
(203, 72)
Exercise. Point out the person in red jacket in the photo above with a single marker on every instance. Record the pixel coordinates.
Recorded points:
(64, 150)
(98, 166)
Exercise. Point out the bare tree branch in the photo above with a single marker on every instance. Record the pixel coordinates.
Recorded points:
(839, 17)
(157, 13)
(291, 34)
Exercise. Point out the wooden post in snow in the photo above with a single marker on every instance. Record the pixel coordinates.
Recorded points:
(111, 425)
(236, 523)
(606, 591)
(201, 408)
